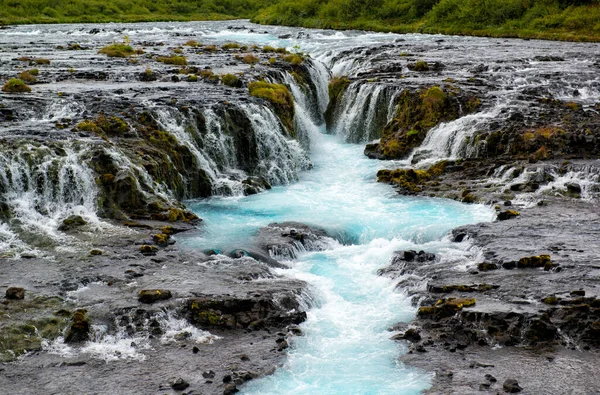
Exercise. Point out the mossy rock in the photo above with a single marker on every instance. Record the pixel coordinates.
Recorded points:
(15, 85)
(487, 266)
(154, 295)
(534, 261)
(161, 239)
(148, 249)
(280, 98)
(445, 308)
(508, 214)
(79, 330)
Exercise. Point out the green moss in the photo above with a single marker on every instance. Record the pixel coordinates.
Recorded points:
(117, 50)
(27, 77)
(551, 300)
(192, 43)
(250, 59)
(337, 86)
(231, 46)
(534, 261)
(294, 59)
(419, 66)
(15, 85)
(281, 99)
(231, 80)
(173, 59)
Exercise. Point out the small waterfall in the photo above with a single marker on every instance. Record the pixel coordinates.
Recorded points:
(320, 76)
(280, 159)
(41, 185)
(450, 140)
(363, 112)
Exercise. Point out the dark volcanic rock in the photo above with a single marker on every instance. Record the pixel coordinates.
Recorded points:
(80, 327)
(511, 386)
(15, 293)
(285, 240)
(154, 295)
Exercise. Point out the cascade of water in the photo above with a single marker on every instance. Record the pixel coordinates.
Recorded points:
(450, 140)
(51, 183)
(363, 111)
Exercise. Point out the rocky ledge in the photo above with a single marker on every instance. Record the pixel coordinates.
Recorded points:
(201, 322)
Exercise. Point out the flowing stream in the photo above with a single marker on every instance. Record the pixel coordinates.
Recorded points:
(345, 348)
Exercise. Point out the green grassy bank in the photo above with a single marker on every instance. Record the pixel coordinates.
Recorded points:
(576, 20)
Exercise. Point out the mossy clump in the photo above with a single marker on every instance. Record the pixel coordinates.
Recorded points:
(281, 99)
(231, 46)
(117, 50)
(534, 261)
(270, 49)
(419, 66)
(148, 75)
(15, 85)
(231, 80)
(551, 300)
(294, 59)
(104, 126)
(161, 239)
(192, 43)
(445, 307)
(27, 77)
(250, 59)
(173, 59)
(41, 61)
(210, 48)
(508, 214)
(411, 181)
(337, 86)
(487, 266)
(148, 249)
(80, 327)
(154, 295)
(192, 78)
(74, 47)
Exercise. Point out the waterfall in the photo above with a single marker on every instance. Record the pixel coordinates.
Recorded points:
(450, 140)
(363, 112)
(40, 185)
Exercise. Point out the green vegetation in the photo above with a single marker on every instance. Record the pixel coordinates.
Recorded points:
(70, 11)
(28, 77)
(548, 19)
(118, 50)
(250, 59)
(15, 85)
(173, 59)
(231, 80)
(281, 99)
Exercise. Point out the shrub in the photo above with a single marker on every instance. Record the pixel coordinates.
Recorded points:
(173, 59)
(250, 59)
(117, 50)
(15, 85)
(295, 59)
(27, 77)
(231, 80)
(231, 46)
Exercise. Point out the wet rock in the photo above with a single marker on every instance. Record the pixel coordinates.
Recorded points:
(96, 252)
(511, 386)
(208, 374)
(255, 311)
(487, 266)
(534, 261)
(154, 295)
(148, 249)
(286, 240)
(15, 293)
(80, 327)
(178, 384)
(230, 389)
(508, 214)
(72, 222)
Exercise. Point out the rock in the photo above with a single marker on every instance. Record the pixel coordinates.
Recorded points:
(74, 221)
(534, 261)
(208, 374)
(96, 252)
(511, 386)
(148, 249)
(486, 266)
(154, 295)
(490, 378)
(178, 384)
(508, 214)
(230, 389)
(15, 293)
(412, 334)
(573, 188)
(80, 327)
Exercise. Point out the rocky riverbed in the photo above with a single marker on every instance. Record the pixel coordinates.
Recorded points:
(102, 162)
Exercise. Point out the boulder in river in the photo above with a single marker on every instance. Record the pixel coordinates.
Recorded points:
(154, 295)
(15, 293)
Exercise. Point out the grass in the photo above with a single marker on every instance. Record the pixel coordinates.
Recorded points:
(15, 85)
(173, 59)
(117, 50)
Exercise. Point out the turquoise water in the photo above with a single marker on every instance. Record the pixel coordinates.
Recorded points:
(345, 348)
